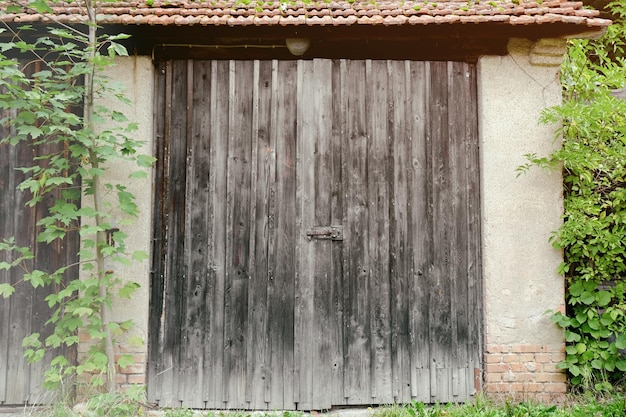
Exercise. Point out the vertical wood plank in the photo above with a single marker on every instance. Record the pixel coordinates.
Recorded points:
(378, 184)
(356, 292)
(322, 315)
(157, 287)
(400, 253)
(262, 179)
(283, 384)
(193, 342)
(336, 329)
(176, 270)
(217, 212)
(440, 313)
(474, 270)
(305, 218)
(18, 382)
(419, 198)
(238, 231)
(7, 205)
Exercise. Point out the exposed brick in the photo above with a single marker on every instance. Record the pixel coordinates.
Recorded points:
(496, 367)
(137, 379)
(543, 357)
(543, 377)
(138, 368)
(497, 387)
(492, 348)
(510, 358)
(120, 379)
(494, 377)
(491, 358)
(530, 366)
(560, 377)
(527, 387)
(558, 357)
(555, 387)
(526, 357)
(551, 367)
(526, 348)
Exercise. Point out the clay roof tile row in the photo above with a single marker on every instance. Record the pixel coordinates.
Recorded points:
(320, 13)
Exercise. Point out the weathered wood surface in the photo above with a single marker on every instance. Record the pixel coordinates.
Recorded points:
(26, 312)
(257, 313)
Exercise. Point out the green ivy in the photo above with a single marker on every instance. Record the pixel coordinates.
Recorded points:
(41, 109)
(593, 234)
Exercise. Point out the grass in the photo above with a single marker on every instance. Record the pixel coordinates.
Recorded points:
(586, 406)
(132, 405)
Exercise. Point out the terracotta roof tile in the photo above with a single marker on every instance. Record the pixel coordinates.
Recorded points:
(324, 12)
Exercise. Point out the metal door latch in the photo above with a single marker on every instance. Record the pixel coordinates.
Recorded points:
(325, 233)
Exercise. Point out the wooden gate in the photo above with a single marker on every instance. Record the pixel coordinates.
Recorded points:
(317, 234)
(26, 311)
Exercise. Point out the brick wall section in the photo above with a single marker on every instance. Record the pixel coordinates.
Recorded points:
(135, 373)
(525, 372)
(131, 375)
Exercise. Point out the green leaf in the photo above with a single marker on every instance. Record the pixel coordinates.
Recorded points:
(6, 290)
(621, 365)
(125, 361)
(128, 289)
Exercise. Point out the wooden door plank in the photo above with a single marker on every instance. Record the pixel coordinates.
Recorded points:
(18, 378)
(196, 256)
(378, 184)
(399, 238)
(336, 329)
(157, 286)
(281, 388)
(474, 271)
(262, 180)
(440, 313)
(323, 315)
(217, 218)
(238, 230)
(305, 250)
(48, 257)
(176, 271)
(356, 295)
(458, 96)
(7, 205)
(419, 200)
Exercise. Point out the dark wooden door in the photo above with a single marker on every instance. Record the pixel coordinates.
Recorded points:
(26, 311)
(316, 235)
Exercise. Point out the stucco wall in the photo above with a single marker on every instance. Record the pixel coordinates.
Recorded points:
(519, 214)
(136, 76)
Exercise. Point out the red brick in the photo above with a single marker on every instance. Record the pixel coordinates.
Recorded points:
(492, 348)
(558, 377)
(527, 387)
(555, 387)
(498, 387)
(493, 358)
(526, 357)
(543, 357)
(510, 358)
(138, 368)
(137, 379)
(526, 348)
(551, 367)
(496, 367)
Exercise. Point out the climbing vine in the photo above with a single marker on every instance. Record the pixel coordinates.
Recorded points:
(593, 234)
(59, 103)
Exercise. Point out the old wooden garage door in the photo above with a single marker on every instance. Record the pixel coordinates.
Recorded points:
(317, 234)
